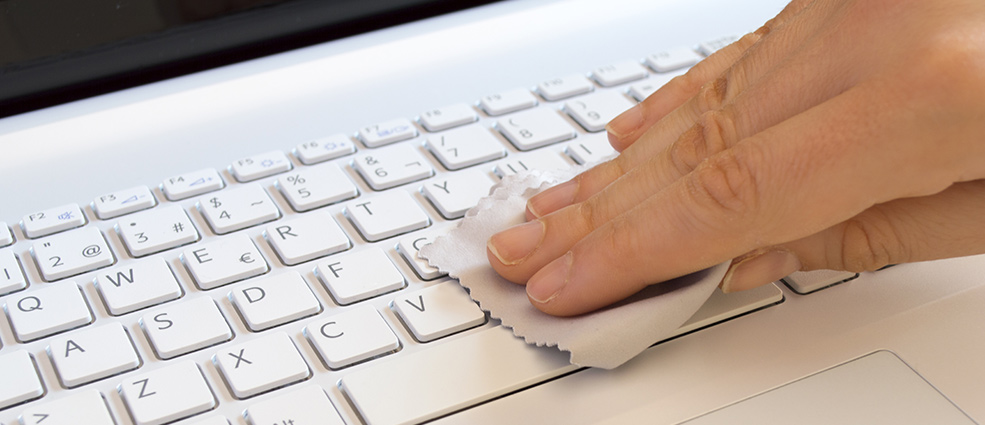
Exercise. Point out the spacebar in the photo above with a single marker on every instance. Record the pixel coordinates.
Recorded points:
(449, 377)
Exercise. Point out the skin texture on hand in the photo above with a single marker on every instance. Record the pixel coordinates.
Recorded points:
(843, 134)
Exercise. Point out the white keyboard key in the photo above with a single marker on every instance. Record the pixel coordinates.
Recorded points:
(224, 261)
(673, 59)
(211, 420)
(84, 407)
(535, 128)
(306, 237)
(52, 220)
(594, 111)
(591, 149)
(545, 160)
(352, 336)
(411, 245)
(448, 117)
(48, 310)
(384, 133)
(91, 354)
(11, 275)
(123, 202)
(261, 364)
(465, 147)
(406, 389)
(712, 46)
(180, 328)
(20, 379)
(359, 275)
(313, 187)
(645, 88)
(167, 394)
(6, 238)
(438, 311)
(156, 230)
(386, 215)
(324, 149)
(274, 300)
(238, 208)
(137, 285)
(453, 194)
(259, 166)
(72, 253)
(618, 73)
(190, 184)
(508, 101)
(307, 405)
(564, 87)
(806, 282)
(393, 166)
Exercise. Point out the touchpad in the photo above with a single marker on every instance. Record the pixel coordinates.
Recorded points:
(876, 388)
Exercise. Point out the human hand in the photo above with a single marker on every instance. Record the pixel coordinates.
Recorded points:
(843, 134)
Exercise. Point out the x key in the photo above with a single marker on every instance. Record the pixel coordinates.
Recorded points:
(261, 364)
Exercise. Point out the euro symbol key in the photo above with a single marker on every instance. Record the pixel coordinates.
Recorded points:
(246, 258)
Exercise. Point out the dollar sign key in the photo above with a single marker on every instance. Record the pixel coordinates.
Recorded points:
(215, 202)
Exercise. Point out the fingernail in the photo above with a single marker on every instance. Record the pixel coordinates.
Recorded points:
(547, 283)
(553, 199)
(516, 243)
(626, 123)
(759, 270)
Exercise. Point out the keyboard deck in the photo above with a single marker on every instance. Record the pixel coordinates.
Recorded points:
(284, 287)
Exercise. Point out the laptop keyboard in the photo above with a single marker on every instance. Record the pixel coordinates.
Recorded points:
(286, 287)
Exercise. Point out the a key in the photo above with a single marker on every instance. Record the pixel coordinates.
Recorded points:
(386, 215)
(261, 364)
(712, 46)
(6, 238)
(72, 253)
(123, 202)
(314, 187)
(454, 194)
(156, 230)
(507, 101)
(192, 183)
(212, 420)
(411, 245)
(183, 327)
(11, 275)
(594, 111)
(84, 407)
(384, 133)
(306, 405)
(20, 379)
(673, 59)
(167, 394)
(259, 166)
(535, 128)
(274, 300)
(306, 237)
(238, 208)
(52, 220)
(807, 282)
(564, 87)
(359, 275)
(223, 261)
(92, 354)
(324, 149)
(438, 311)
(392, 167)
(645, 88)
(137, 285)
(47, 310)
(591, 149)
(351, 337)
(447, 117)
(618, 73)
(545, 160)
(465, 147)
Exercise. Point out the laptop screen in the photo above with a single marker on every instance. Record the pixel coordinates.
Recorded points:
(55, 51)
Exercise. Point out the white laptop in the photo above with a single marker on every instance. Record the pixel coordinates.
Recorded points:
(213, 219)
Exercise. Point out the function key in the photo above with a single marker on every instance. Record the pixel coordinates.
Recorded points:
(508, 101)
(52, 220)
(384, 133)
(448, 117)
(324, 149)
(190, 184)
(123, 202)
(564, 87)
(673, 59)
(618, 73)
(259, 166)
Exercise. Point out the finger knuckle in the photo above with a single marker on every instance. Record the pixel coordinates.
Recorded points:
(868, 245)
(594, 213)
(712, 95)
(728, 183)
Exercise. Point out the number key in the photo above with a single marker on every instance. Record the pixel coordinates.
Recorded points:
(536, 128)
(156, 230)
(72, 253)
(392, 167)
